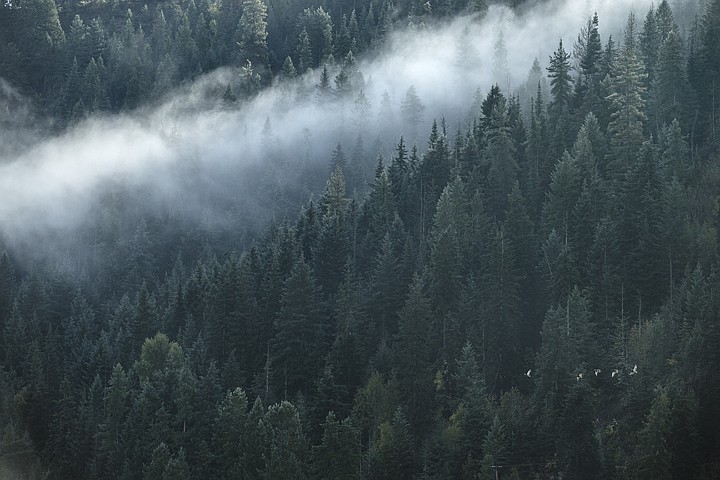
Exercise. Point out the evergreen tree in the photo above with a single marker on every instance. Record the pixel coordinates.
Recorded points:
(338, 455)
(672, 88)
(301, 331)
(412, 355)
(40, 40)
(412, 111)
(560, 80)
(502, 165)
(588, 50)
(559, 109)
(626, 87)
(252, 34)
(304, 52)
(286, 455)
(448, 247)
(392, 457)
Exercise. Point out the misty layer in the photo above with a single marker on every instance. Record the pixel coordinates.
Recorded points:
(191, 155)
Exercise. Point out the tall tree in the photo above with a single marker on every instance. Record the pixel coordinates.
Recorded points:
(252, 35)
(41, 40)
(412, 111)
(673, 94)
(626, 87)
(559, 108)
(338, 455)
(301, 331)
(588, 51)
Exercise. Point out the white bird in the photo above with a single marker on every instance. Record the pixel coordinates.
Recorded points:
(528, 373)
(579, 376)
(614, 372)
(634, 370)
(597, 371)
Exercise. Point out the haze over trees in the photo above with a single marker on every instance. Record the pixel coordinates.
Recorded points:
(530, 291)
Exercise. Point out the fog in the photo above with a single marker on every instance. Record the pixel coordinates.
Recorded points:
(189, 156)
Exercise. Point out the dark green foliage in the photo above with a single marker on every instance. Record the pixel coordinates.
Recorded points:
(534, 295)
(338, 455)
(392, 456)
(302, 331)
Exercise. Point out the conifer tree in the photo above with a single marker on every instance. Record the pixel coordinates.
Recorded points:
(412, 111)
(626, 87)
(286, 455)
(392, 457)
(502, 165)
(672, 88)
(304, 52)
(412, 353)
(559, 109)
(589, 53)
(301, 331)
(338, 455)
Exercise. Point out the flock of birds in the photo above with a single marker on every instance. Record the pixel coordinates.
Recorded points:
(596, 371)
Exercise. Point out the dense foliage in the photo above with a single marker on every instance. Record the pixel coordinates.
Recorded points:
(538, 296)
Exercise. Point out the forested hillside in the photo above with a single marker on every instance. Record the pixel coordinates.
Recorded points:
(420, 283)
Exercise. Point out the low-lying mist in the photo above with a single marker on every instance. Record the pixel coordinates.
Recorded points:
(193, 157)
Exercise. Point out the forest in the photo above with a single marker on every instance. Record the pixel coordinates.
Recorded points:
(369, 239)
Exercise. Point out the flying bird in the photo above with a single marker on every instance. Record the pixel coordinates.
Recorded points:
(580, 376)
(634, 370)
(528, 373)
(597, 371)
(614, 372)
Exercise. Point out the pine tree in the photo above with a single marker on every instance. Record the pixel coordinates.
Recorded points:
(288, 69)
(286, 455)
(324, 88)
(708, 74)
(448, 247)
(318, 26)
(41, 40)
(332, 250)
(392, 456)
(500, 312)
(665, 21)
(338, 455)
(184, 48)
(502, 165)
(672, 87)
(343, 42)
(559, 109)
(626, 87)
(234, 436)
(301, 331)
(252, 35)
(650, 41)
(589, 53)
(304, 52)
(654, 457)
(500, 71)
(560, 80)
(412, 354)
(495, 448)
(362, 110)
(562, 196)
(412, 110)
(386, 292)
